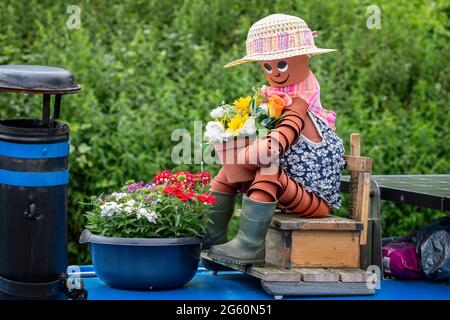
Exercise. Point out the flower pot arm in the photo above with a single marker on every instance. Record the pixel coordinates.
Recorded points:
(290, 125)
(262, 152)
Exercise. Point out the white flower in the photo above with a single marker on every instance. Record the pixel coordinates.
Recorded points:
(218, 112)
(226, 135)
(119, 195)
(149, 215)
(214, 131)
(249, 127)
(128, 209)
(129, 206)
(265, 108)
(109, 208)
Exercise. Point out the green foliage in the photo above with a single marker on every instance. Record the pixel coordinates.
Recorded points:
(148, 67)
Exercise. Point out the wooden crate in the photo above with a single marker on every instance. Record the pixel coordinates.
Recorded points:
(331, 242)
(280, 282)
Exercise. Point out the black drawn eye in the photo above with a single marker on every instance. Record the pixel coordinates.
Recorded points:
(282, 66)
(268, 67)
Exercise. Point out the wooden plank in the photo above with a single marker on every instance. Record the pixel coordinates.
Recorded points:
(351, 275)
(325, 249)
(366, 250)
(355, 144)
(273, 273)
(316, 288)
(317, 275)
(293, 285)
(355, 148)
(212, 266)
(267, 273)
(364, 181)
(357, 163)
(278, 247)
(243, 268)
(329, 222)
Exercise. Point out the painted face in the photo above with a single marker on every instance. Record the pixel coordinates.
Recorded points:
(285, 72)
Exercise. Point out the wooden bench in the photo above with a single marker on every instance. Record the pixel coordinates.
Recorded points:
(317, 256)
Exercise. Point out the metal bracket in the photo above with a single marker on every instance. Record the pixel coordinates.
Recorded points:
(46, 110)
(56, 109)
(375, 218)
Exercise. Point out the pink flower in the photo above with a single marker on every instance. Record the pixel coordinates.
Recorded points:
(268, 92)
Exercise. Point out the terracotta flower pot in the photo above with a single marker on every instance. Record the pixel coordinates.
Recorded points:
(322, 211)
(228, 152)
(289, 193)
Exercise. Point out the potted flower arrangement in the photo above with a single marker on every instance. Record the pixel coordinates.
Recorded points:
(148, 235)
(236, 126)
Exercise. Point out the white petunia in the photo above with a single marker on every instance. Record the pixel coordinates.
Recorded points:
(149, 215)
(249, 127)
(119, 195)
(218, 112)
(130, 203)
(109, 208)
(128, 209)
(129, 206)
(214, 132)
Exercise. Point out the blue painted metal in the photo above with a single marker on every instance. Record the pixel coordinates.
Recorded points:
(34, 151)
(34, 179)
(233, 285)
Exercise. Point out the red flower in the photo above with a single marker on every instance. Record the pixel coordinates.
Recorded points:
(162, 177)
(183, 184)
(206, 198)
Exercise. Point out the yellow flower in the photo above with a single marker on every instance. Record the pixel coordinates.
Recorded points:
(241, 104)
(236, 123)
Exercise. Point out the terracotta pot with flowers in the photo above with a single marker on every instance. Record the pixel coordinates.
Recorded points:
(235, 127)
(148, 235)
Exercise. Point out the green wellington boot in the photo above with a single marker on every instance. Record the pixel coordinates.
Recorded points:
(248, 247)
(219, 215)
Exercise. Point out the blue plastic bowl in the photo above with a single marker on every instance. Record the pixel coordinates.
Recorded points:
(138, 263)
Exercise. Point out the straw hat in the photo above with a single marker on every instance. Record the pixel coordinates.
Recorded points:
(279, 36)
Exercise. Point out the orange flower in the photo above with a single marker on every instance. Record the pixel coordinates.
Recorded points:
(275, 106)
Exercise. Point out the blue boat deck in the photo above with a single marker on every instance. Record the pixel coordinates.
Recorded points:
(234, 285)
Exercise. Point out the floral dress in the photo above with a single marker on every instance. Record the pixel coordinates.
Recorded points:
(317, 166)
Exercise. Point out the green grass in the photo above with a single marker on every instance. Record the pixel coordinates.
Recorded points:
(148, 67)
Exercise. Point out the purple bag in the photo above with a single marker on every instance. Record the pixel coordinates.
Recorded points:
(400, 259)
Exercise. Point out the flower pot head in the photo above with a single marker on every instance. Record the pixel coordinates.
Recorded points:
(285, 72)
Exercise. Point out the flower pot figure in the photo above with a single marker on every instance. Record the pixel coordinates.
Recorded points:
(33, 187)
(306, 155)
